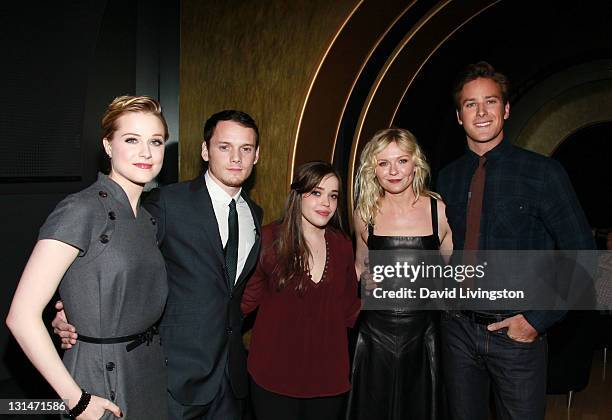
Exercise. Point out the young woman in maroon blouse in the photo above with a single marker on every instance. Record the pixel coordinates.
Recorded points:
(306, 290)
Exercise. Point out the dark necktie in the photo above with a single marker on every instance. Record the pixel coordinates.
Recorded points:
(231, 247)
(474, 210)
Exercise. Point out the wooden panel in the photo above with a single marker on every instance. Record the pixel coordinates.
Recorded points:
(259, 57)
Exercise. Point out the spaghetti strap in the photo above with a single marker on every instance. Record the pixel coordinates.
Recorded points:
(434, 217)
(370, 229)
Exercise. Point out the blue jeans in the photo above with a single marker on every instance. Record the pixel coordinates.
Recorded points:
(476, 360)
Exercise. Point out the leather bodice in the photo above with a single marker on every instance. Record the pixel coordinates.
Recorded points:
(429, 242)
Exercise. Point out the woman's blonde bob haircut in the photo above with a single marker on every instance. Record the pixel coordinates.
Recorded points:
(367, 188)
(123, 104)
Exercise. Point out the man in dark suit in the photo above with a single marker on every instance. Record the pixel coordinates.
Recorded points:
(209, 234)
(201, 326)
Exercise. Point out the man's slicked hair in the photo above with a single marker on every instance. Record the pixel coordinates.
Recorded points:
(239, 117)
(482, 69)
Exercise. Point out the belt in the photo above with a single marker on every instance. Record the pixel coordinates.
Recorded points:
(486, 319)
(134, 340)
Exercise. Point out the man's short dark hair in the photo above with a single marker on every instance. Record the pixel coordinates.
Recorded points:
(475, 71)
(239, 117)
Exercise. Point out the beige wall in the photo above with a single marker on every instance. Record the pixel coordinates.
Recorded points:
(259, 57)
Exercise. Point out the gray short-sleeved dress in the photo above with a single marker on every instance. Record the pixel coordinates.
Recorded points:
(116, 287)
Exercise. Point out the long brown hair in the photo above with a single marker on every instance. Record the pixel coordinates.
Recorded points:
(291, 247)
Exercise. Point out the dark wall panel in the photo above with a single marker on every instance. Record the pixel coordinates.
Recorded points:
(71, 80)
(44, 76)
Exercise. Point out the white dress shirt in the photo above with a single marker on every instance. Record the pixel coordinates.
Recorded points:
(246, 225)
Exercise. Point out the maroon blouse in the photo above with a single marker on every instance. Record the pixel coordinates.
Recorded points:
(299, 345)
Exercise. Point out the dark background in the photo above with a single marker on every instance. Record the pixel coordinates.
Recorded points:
(63, 62)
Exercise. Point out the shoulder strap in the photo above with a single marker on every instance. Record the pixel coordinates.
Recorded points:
(370, 229)
(434, 216)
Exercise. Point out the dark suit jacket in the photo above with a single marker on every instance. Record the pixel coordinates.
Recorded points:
(201, 326)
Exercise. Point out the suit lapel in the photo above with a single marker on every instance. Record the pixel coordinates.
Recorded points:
(204, 206)
(208, 219)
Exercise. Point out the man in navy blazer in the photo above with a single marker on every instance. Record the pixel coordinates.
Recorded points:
(521, 201)
(201, 326)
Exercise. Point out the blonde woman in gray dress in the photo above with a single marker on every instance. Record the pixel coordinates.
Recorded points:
(99, 248)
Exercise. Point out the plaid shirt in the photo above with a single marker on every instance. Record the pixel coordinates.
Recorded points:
(528, 204)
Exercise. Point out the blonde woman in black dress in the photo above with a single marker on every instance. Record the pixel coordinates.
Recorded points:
(396, 368)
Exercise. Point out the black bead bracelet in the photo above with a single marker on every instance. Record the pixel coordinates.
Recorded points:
(78, 409)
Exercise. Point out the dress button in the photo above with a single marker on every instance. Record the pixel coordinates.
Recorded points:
(112, 395)
(229, 330)
(103, 194)
(110, 366)
(153, 220)
(104, 238)
(112, 215)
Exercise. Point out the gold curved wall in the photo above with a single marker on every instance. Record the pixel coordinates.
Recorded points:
(293, 65)
(338, 74)
(404, 64)
(576, 108)
(259, 57)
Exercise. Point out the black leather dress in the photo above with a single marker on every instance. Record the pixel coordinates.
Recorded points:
(396, 369)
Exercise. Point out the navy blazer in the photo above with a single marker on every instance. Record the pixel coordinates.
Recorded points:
(201, 325)
(528, 204)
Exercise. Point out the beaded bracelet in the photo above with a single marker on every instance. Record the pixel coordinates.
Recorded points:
(78, 409)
